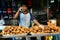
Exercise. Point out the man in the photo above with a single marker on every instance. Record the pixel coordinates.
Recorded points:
(25, 17)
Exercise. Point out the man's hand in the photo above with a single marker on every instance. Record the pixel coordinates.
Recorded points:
(20, 9)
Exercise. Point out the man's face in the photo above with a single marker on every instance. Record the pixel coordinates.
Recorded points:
(24, 7)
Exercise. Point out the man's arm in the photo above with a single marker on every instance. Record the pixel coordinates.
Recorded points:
(17, 13)
(36, 22)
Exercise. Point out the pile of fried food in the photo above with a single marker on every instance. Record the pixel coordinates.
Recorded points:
(36, 30)
(15, 30)
(50, 28)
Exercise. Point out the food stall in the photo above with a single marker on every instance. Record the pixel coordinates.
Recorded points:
(8, 9)
(34, 31)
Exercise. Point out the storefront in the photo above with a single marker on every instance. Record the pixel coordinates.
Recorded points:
(42, 10)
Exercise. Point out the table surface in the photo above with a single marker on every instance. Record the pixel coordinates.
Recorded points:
(33, 35)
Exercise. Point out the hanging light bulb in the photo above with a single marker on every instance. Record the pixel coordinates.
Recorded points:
(52, 1)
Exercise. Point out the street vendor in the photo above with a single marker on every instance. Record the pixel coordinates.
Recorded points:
(25, 17)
